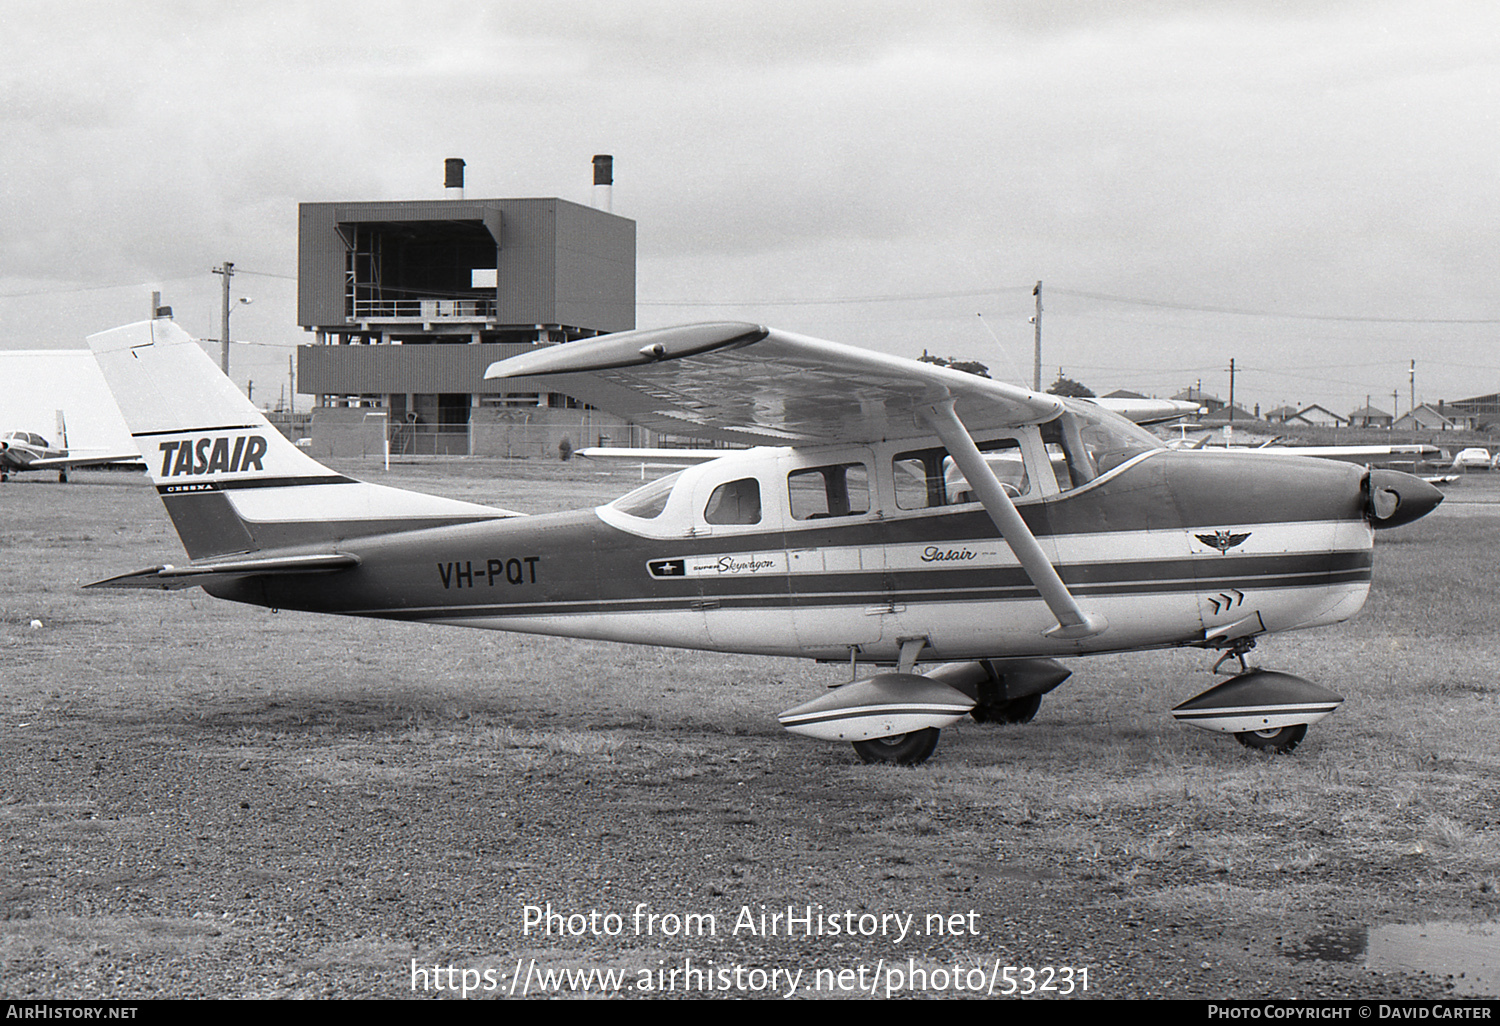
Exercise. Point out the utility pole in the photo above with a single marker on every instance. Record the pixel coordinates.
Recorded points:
(1036, 362)
(1414, 385)
(228, 272)
(1231, 390)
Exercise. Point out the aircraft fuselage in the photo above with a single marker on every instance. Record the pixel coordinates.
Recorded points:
(1167, 547)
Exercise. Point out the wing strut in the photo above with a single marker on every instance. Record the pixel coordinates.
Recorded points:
(1072, 622)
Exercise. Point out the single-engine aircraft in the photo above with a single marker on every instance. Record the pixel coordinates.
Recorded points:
(27, 450)
(892, 515)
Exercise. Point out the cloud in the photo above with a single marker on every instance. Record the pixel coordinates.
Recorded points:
(1276, 156)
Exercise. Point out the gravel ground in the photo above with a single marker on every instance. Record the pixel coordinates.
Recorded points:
(202, 801)
(271, 851)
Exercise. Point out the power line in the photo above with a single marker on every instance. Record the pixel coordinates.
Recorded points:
(75, 289)
(838, 301)
(1164, 305)
(81, 288)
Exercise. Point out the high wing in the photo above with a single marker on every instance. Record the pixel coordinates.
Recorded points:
(745, 383)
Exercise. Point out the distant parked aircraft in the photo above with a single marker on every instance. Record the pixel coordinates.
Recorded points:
(27, 450)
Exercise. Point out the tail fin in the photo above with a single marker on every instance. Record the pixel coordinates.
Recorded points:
(62, 431)
(231, 482)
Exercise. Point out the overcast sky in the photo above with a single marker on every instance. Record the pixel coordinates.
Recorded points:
(1309, 188)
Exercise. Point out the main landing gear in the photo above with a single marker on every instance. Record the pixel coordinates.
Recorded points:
(910, 749)
(913, 708)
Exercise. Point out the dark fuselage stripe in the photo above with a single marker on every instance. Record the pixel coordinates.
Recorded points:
(251, 482)
(808, 600)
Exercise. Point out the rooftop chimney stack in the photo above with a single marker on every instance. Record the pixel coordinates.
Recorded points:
(604, 182)
(453, 178)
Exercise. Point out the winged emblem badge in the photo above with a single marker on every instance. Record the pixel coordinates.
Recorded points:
(1223, 540)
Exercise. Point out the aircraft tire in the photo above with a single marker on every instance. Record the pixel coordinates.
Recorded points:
(1017, 710)
(1283, 739)
(899, 749)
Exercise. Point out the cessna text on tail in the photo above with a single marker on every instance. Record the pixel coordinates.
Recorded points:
(955, 535)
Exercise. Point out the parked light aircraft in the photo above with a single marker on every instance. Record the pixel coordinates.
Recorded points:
(27, 450)
(893, 514)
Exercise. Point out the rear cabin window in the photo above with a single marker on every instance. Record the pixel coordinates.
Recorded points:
(837, 490)
(928, 478)
(734, 502)
(649, 500)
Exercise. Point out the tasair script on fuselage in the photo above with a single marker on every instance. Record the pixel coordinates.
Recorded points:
(211, 455)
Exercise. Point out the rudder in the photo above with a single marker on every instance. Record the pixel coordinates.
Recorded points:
(230, 480)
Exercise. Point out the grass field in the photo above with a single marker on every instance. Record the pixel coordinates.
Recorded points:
(1391, 807)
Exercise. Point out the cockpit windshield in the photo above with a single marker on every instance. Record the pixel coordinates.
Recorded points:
(27, 437)
(1087, 441)
(647, 501)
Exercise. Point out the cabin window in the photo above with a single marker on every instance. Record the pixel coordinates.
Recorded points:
(928, 478)
(734, 502)
(838, 490)
(649, 500)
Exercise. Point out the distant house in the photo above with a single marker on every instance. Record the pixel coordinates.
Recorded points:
(1370, 417)
(1428, 417)
(1281, 414)
(1224, 414)
(1125, 393)
(1197, 395)
(1318, 416)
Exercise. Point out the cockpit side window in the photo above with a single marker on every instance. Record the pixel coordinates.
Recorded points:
(837, 490)
(1068, 455)
(928, 478)
(734, 502)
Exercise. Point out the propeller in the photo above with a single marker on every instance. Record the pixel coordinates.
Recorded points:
(1393, 498)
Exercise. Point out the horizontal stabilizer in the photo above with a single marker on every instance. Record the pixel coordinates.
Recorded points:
(170, 577)
(66, 462)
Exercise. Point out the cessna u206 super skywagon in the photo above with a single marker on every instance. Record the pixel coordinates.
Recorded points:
(893, 514)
